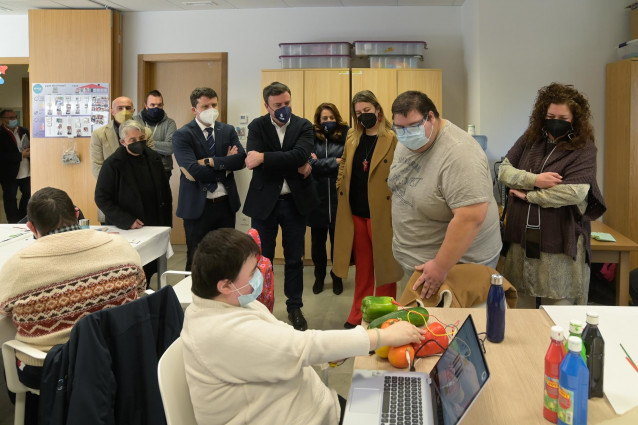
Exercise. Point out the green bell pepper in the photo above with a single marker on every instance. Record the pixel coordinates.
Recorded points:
(374, 307)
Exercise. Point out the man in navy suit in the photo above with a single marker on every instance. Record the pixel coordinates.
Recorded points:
(207, 153)
(281, 192)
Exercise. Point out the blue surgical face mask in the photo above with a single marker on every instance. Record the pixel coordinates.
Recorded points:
(283, 114)
(12, 123)
(329, 126)
(414, 138)
(257, 283)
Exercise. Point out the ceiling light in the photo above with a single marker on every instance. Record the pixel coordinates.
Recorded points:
(199, 3)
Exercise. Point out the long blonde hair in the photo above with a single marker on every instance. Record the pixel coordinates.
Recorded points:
(369, 97)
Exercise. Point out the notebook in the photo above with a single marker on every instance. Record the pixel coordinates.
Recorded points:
(441, 397)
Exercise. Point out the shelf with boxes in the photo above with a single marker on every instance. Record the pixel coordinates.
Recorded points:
(382, 54)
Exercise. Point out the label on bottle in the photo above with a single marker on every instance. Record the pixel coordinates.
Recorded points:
(566, 405)
(551, 393)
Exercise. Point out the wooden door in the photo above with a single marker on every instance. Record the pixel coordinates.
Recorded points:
(428, 81)
(294, 79)
(327, 85)
(175, 76)
(381, 82)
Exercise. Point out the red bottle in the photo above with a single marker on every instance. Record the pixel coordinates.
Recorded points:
(555, 354)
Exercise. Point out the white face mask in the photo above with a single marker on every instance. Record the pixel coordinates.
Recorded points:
(208, 116)
(257, 283)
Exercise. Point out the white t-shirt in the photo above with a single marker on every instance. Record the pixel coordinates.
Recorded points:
(427, 186)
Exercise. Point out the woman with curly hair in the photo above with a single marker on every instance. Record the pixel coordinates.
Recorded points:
(551, 173)
(330, 135)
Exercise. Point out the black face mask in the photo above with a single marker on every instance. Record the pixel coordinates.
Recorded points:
(558, 128)
(137, 147)
(153, 115)
(367, 120)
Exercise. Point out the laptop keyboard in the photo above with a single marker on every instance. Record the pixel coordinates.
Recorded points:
(402, 401)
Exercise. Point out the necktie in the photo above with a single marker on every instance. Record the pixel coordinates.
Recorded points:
(210, 142)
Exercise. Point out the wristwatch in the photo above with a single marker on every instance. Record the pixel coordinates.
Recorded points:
(207, 161)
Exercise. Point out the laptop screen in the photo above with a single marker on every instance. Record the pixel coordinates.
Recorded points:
(459, 375)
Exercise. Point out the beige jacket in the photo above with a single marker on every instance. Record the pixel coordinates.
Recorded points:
(386, 269)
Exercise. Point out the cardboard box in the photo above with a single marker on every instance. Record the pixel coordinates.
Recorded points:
(634, 21)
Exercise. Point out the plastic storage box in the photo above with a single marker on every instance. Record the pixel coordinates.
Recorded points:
(326, 61)
(362, 48)
(628, 49)
(314, 49)
(395, 61)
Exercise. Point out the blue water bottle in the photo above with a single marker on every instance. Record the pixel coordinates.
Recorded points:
(573, 384)
(496, 310)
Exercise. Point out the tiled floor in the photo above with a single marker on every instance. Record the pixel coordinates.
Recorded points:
(322, 311)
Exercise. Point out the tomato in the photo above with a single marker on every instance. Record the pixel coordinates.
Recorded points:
(397, 356)
(434, 332)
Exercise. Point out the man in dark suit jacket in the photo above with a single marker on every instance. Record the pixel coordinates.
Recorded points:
(207, 153)
(14, 165)
(281, 192)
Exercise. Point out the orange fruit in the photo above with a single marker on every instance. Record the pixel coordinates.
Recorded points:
(389, 322)
(397, 356)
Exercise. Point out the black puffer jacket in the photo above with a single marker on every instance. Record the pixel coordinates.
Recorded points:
(324, 171)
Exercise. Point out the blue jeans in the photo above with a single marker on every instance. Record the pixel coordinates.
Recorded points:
(293, 232)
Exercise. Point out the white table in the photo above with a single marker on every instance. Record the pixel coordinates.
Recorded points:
(617, 325)
(151, 242)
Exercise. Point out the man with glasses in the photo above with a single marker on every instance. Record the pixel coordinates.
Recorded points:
(14, 166)
(443, 208)
(105, 140)
(280, 192)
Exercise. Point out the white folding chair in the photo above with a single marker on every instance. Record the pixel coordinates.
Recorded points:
(173, 386)
(168, 272)
(9, 349)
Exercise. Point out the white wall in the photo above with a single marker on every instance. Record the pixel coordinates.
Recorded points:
(14, 33)
(251, 38)
(524, 45)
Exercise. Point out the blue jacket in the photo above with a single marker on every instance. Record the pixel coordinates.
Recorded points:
(106, 374)
(189, 145)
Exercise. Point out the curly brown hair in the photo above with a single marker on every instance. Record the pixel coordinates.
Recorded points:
(341, 124)
(561, 94)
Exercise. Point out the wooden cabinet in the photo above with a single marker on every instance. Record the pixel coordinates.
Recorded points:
(387, 84)
(311, 87)
(621, 149)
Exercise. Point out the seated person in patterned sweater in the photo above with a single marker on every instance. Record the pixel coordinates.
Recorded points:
(66, 274)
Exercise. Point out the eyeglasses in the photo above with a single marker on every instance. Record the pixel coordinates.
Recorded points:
(410, 129)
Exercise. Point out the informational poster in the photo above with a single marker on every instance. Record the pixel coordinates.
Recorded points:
(69, 109)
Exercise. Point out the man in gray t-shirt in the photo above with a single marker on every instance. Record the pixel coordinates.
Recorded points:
(443, 209)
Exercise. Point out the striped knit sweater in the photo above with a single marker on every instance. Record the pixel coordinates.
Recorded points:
(47, 287)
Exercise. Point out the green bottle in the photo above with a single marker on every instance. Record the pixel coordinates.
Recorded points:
(576, 329)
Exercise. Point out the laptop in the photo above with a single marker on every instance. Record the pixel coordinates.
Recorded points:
(441, 397)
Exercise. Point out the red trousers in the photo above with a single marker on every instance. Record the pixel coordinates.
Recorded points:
(364, 273)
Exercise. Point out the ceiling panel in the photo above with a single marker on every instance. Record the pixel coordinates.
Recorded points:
(21, 6)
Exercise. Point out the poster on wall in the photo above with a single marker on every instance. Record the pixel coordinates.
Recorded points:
(69, 109)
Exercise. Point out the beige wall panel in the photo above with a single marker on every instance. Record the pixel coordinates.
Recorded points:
(68, 46)
(382, 82)
(327, 85)
(428, 81)
(294, 79)
(621, 149)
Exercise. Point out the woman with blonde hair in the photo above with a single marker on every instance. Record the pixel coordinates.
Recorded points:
(364, 220)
